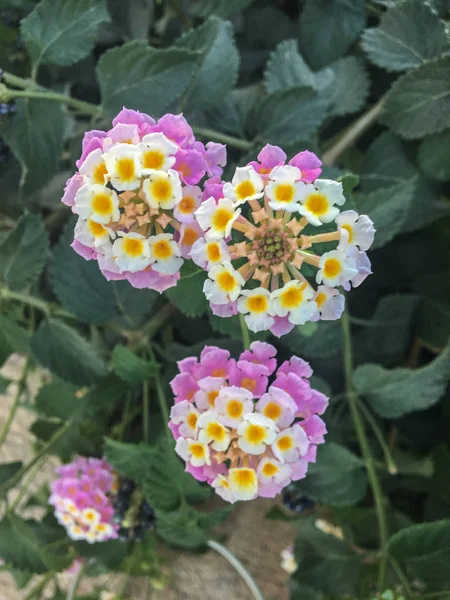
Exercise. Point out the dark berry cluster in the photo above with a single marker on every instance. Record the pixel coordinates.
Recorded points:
(133, 513)
(7, 109)
(294, 501)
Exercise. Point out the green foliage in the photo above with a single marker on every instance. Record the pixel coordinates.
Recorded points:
(221, 8)
(133, 19)
(188, 294)
(130, 367)
(8, 470)
(12, 339)
(24, 252)
(433, 155)
(64, 33)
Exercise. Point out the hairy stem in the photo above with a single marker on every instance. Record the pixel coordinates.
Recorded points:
(358, 423)
(217, 136)
(15, 405)
(390, 463)
(244, 332)
(85, 107)
(234, 562)
(45, 307)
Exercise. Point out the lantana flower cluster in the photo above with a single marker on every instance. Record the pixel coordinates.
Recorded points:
(82, 497)
(246, 427)
(135, 194)
(256, 246)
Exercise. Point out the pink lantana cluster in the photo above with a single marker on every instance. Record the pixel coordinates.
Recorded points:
(135, 194)
(83, 499)
(259, 235)
(246, 427)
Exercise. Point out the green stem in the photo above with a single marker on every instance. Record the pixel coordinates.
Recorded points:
(15, 405)
(390, 463)
(244, 332)
(45, 307)
(126, 412)
(146, 411)
(37, 590)
(353, 133)
(375, 485)
(217, 136)
(19, 82)
(39, 94)
(161, 396)
(71, 594)
(402, 577)
(234, 562)
(155, 323)
(25, 487)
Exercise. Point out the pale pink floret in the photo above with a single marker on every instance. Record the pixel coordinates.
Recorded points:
(263, 354)
(224, 310)
(309, 165)
(363, 267)
(282, 326)
(213, 188)
(184, 386)
(70, 191)
(216, 158)
(191, 164)
(214, 362)
(269, 158)
(250, 376)
(149, 278)
(315, 429)
(281, 399)
(176, 128)
(296, 365)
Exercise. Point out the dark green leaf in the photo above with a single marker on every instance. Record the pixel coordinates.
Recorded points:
(349, 87)
(35, 137)
(217, 70)
(62, 350)
(8, 470)
(299, 591)
(433, 155)
(423, 551)
(408, 35)
(286, 69)
(63, 33)
(220, 8)
(109, 554)
(396, 392)
(133, 18)
(24, 252)
(57, 400)
(130, 367)
(12, 339)
(144, 78)
(337, 478)
(328, 28)
(130, 460)
(325, 342)
(188, 294)
(418, 103)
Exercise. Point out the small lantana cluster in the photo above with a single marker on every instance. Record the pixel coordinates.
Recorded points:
(83, 499)
(246, 427)
(135, 193)
(254, 261)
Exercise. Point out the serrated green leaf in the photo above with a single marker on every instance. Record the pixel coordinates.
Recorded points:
(12, 339)
(418, 103)
(217, 70)
(397, 392)
(144, 78)
(188, 294)
(288, 116)
(35, 137)
(57, 400)
(24, 252)
(328, 28)
(423, 551)
(408, 35)
(63, 351)
(433, 155)
(325, 342)
(338, 478)
(324, 562)
(220, 8)
(349, 88)
(130, 460)
(62, 33)
(130, 367)
(286, 69)
(133, 18)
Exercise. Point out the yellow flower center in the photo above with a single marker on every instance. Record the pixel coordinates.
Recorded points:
(284, 192)
(317, 204)
(320, 299)
(211, 396)
(245, 478)
(221, 218)
(162, 190)
(153, 159)
(101, 528)
(248, 384)
(255, 434)
(162, 250)
(126, 169)
(102, 204)
(192, 420)
(226, 282)
(219, 373)
(245, 189)
(272, 411)
(133, 247)
(285, 443)
(216, 431)
(89, 516)
(190, 236)
(258, 304)
(235, 409)
(292, 297)
(99, 173)
(269, 469)
(348, 228)
(96, 229)
(213, 252)
(197, 450)
(332, 268)
(187, 205)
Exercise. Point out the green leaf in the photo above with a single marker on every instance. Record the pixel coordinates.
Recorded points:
(408, 35)
(328, 28)
(337, 478)
(35, 137)
(217, 71)
(324, 562)
(24, 252)
(397, 392)
(62, 33)
(130, 367)
(433, 155)
(7, 471)
(57, 400)
(349, 88)
(12, 339)
(423, 552)
(133, 18)
(220, 8)
(188, 294)
(418, 103)
(130, 460)
(299, 591)
(325, 342)
(109, 555)
(62, 350)
(286, 69)
(288, 116)
(144, 78)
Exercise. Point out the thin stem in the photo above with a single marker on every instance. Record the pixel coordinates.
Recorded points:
(390, 463)
(76, 582)
(155, 323)
(353, 133)
(24, 489)
(218, 136)
(358, 423)
(39, 94)
(39, 587)
(234, 562)
(19, 82)
(126, 412)
(244, 332)
(42, 305)
(15, 405)
(146, 410)
(160, 395)
(402, 577)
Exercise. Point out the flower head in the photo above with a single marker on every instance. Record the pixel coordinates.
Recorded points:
(266, 219)
(246, 441)
(135, 194)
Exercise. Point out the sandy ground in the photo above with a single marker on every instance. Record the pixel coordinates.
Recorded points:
(256, 541)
